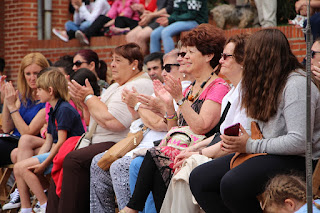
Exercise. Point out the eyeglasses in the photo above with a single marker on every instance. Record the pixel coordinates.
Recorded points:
(225, 56)
(313, 53)
(182, 54)
(167, 67)
(78, 63)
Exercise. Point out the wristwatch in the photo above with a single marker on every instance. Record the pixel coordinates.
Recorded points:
(180, 102)
(136, 107)
(87, 98)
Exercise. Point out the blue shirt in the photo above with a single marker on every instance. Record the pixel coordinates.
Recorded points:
(28, 111)
(304, 208)
(64, 117)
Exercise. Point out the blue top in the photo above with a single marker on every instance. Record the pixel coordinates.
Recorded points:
(304, 208)
(28, 111)
(64, 117)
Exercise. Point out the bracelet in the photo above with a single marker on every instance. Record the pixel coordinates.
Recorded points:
(14, 111)
(200, 152)
(171, 117)
(87, 98)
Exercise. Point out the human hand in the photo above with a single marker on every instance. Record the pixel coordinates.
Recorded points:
(145, 19)
(2, 86)
(162, 93)
(163, 21)
(174, 87)
(10, 96)
(154, 104)
(316, 71)
(80, 92)
(130, 97)
(137, 7)
(37, 169)
(299, 4)
(231, 144)
(76, 4)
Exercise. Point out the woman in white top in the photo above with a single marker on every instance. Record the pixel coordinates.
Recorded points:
(83, 17)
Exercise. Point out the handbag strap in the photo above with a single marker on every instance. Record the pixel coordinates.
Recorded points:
(222, 118)
(95, 124)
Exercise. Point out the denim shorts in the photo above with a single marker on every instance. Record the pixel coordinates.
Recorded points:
(41, 158)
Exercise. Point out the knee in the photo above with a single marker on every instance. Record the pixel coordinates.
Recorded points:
(18, 169)
(68, 24)
(24, 141)
(130, 37)
(135, 165)
(94, 168)
(13, 155)
(70, 162)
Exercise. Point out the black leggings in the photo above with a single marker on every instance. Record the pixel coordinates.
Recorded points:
(6, 146)
(219, 189)
(149, 179)
(96, 28)
(123, 22)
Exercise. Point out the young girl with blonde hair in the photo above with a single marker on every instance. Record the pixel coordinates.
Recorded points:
(286, 193)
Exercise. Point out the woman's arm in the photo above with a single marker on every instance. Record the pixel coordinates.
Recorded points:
(99, 7)
(97, 109)
(7, 122)
(34, 127)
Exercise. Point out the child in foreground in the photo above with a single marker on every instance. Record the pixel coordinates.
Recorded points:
(286, 194)
(64, 122)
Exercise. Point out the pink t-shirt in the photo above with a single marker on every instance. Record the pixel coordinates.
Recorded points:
(117, 8)
(215, 91)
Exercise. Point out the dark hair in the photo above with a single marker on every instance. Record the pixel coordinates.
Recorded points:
(268, 61)
(66, 62)
(2, 64)
(131, 51)
(154, 56)
(239, 41)
(82, 74)
(207, 39)
(100, 65)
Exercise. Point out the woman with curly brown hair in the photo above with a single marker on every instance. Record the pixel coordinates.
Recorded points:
(273, 95)
(199, 108)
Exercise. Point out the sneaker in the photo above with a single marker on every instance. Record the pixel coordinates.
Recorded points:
(14, 201)
(61, 34)
(82, 37)
(37, 207)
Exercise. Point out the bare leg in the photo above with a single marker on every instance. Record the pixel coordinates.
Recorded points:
(143, 38)
(28, 146)
(132, 35)
(27, 179)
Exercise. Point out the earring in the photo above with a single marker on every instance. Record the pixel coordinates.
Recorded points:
(133, 68)
(184, 75)
(241, 67)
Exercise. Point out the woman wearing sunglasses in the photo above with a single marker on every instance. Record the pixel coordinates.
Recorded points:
(89, 59)
(112, 119)
(199, 108)
(273, 92)
(179, 197)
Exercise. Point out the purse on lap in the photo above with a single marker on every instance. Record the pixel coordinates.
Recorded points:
(239, 158)
(121, 148)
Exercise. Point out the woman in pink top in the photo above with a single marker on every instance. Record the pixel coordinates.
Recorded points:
(123, 16)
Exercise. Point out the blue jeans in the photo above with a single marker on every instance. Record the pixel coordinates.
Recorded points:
(133, 173)
(166, 33)
(70, 25)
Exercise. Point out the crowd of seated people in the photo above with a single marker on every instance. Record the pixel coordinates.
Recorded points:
(180, 89)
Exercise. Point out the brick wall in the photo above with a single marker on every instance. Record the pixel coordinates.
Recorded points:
(2, 28)
(20, 35)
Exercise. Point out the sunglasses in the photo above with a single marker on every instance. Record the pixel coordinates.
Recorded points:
(313, 53)
(225, 56)
(182, 54)
(167, 67)
(78, 63)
